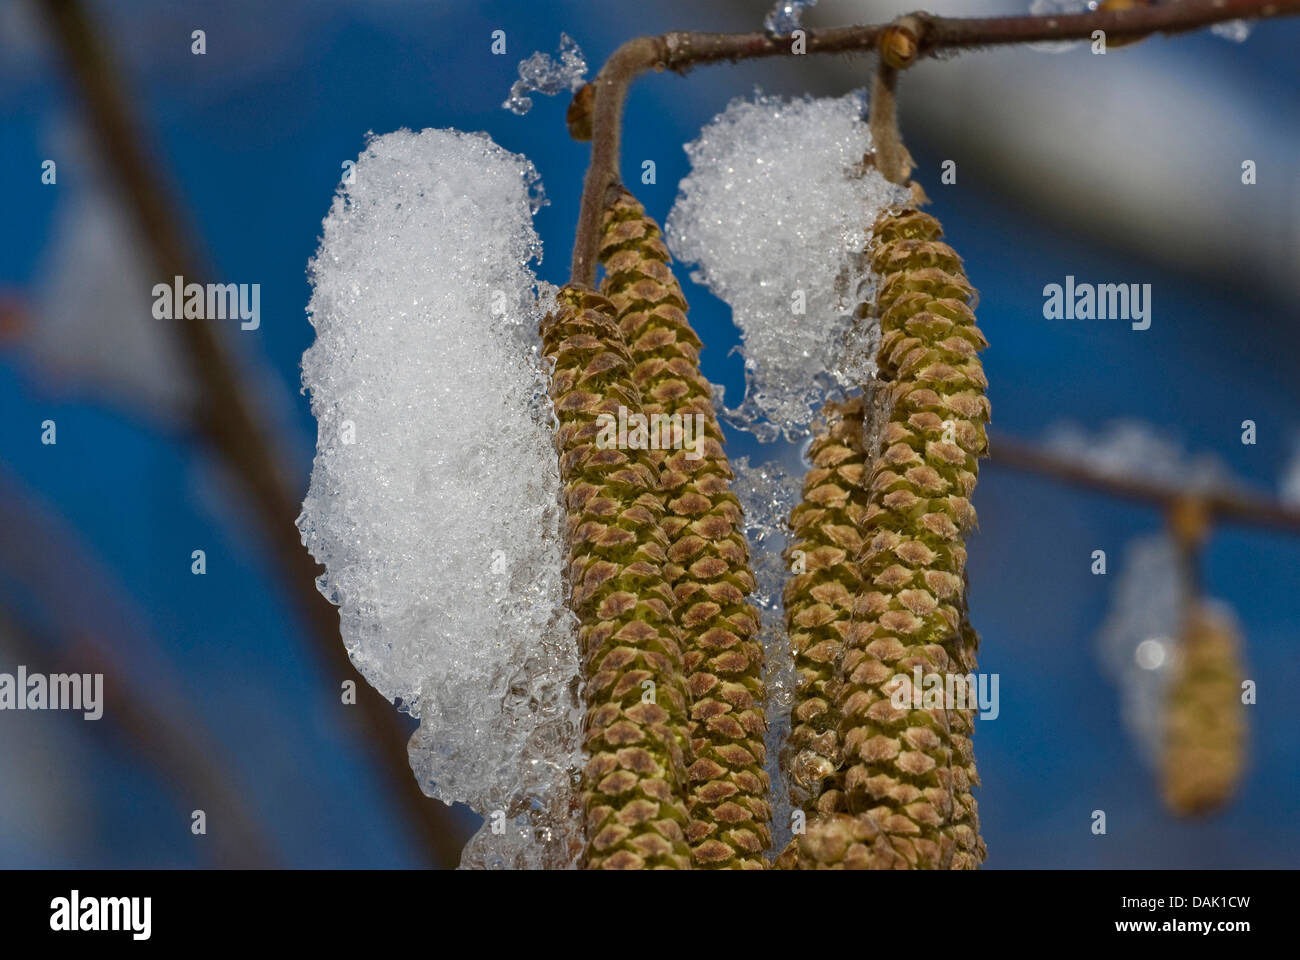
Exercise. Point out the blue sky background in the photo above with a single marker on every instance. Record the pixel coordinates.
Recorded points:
(253, 135)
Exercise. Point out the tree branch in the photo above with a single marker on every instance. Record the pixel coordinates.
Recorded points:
(1222, 505)
(680, 51)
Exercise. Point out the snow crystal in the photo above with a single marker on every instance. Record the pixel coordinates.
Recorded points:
(768, 492)
(1138, 640)
(544, 74)
(784, 17)
(776, 213)
(434, 494)
(1130, 448)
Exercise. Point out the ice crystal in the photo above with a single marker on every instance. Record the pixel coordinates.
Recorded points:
(768, 492)
(542, 73)
(785, 16)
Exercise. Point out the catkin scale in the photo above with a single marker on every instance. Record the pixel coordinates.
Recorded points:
(633, 783)
(707, 559)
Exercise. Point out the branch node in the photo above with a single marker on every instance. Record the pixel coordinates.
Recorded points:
(1189, 520)
(900, 43)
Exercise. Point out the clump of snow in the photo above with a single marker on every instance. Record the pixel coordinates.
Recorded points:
(776, 213)
(434, 494)
(1139, 638)
(542, 73)
(768, 492)
(1131, 448)
(785, 16)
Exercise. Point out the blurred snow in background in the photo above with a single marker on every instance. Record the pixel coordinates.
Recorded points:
(1139, 638)
(1132, 448)
(93, 328)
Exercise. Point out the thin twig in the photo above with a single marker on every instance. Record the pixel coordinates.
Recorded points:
(610, 92)
(891, 157)
(224, 417)
(1219, 505)
(680, 51)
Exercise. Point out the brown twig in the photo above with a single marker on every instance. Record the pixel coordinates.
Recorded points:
(891, 157)
(898, 51)
(680, 51)
(224, 417)
(1219, 505)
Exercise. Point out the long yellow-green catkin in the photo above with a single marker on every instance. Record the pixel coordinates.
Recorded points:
(826, 528)
(898, 757)
(1205, 719)
(634, 783)
(707, 557)
(826, 539)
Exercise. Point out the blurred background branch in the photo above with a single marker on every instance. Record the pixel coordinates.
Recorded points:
(166, 738)
(224, 418)
(1220, 505)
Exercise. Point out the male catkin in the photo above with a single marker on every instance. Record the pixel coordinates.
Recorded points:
(707, 557)
(633, 786)
(1205, 719)
(819, 596)
(898, 762)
